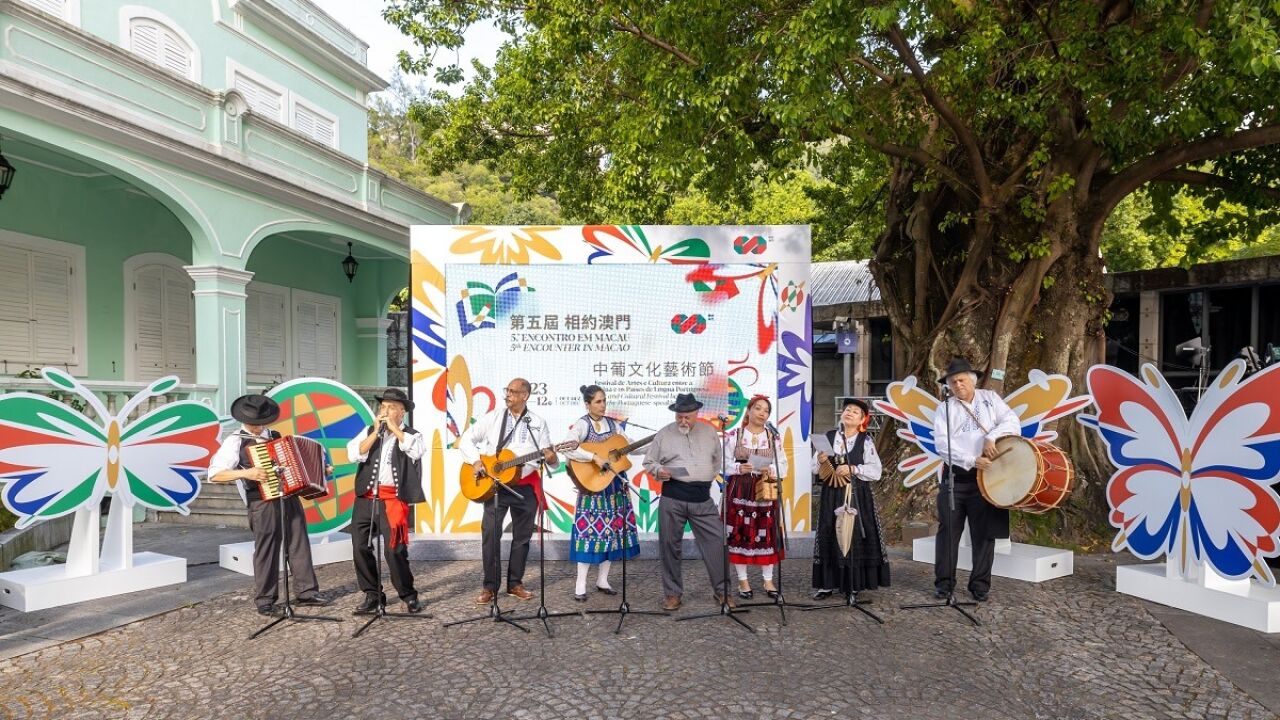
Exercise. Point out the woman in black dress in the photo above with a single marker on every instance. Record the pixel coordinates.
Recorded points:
(854, 461)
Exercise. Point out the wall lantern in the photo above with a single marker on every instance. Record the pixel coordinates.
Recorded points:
(349, 265)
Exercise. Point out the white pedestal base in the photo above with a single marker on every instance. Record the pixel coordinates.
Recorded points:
(1239, 602)
(51, 586)
(325, 549)
(1031, 563)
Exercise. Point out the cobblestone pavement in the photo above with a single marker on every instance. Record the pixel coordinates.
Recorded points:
(1072, 648)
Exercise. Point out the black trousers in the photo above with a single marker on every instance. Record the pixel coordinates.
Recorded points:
(971, 506)
(362, 553)
(264, 521)
(524, 511)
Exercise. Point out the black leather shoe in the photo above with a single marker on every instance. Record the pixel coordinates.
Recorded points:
(580, 598)
(941, 594)
(606, 591)
(268, 610)
(368, 607)
(414, 606)
(773, 594)
(821, 595)
(979, 595)
(746, 594)
(313, 601)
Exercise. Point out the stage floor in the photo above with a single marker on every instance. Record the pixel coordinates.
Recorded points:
(1067, 648)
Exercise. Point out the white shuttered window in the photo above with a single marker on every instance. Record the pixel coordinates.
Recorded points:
(57, 8)
(262, 99)
(164, 316)
(315, 329)
(314, 125)
(38, 297)
(159, 44)
(267, 333)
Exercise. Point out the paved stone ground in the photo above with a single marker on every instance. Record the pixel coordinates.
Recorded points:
(1072, 648)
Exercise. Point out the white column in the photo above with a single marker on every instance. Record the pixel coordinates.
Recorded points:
(220, 330)
(862, 359)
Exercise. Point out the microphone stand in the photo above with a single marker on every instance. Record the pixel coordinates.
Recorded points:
(378, 545)
(725, 610)
(624, 608)
(495, 613)
(851, 595)
(286, 610)
(952, 557)
(779, 538)
(542, 613)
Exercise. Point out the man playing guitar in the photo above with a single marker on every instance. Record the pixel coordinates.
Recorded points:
(519, 430)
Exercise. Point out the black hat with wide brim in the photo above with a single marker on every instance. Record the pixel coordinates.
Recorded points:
(396, 395)
(866, 408)
(255, 410)
(685, 402)
(957, 366)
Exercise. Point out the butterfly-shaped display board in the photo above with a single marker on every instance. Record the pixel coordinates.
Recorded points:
(1195, 490)
(1042, 400)
(54, 460)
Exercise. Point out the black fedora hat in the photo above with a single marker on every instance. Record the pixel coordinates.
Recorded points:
(396, 395)
(866, 409)
(685, 402)
(255, 410)
(957, 366)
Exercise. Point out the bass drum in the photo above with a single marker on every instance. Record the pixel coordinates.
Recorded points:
(1030, 476)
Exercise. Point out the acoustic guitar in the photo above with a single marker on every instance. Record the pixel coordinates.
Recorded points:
(615, 450)
(503, 467)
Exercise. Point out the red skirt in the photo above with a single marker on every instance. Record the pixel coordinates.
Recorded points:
(751, 524)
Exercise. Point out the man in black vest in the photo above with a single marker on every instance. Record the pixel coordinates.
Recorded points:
(231, 463)
(390, 454)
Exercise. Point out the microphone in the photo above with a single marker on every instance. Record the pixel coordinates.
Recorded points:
(772, 428)
(723, 418)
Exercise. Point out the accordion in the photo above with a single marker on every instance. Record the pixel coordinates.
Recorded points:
(294, 466)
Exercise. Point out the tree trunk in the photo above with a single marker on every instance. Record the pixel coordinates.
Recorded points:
(1037, 303)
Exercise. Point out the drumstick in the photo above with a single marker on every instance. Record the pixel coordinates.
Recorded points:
(1002, 452)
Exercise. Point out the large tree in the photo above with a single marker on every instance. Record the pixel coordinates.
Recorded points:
(1004, 132)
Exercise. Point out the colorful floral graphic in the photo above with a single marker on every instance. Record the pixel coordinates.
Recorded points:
(1042, 400)
(331, 414)
(54, 460)
(606, 240)
(505, 245)
(795, 359)
(1198, 489)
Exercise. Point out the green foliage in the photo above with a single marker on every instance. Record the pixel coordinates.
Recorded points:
(626, 110)
(1159, 228)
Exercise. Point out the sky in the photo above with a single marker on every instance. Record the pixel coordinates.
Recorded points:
(364, 18)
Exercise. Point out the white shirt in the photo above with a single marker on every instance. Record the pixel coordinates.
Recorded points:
(871, 469)
(967, 436)
(755, 444)
(413, 446)
(578, 431)
(228, 455)
(529, 437)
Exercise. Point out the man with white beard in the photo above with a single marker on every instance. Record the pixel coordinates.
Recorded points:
(685, 457)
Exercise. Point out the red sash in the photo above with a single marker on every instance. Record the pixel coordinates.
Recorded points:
(397, 514)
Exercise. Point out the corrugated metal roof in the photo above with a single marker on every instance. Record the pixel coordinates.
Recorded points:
(845, 281)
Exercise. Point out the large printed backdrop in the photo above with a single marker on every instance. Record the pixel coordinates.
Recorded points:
(646, 312)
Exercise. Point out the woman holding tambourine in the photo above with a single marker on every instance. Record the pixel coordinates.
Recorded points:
(850, 470)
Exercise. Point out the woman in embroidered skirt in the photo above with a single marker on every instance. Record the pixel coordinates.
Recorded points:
(604, 523)
(855, 461)
(751, 516)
